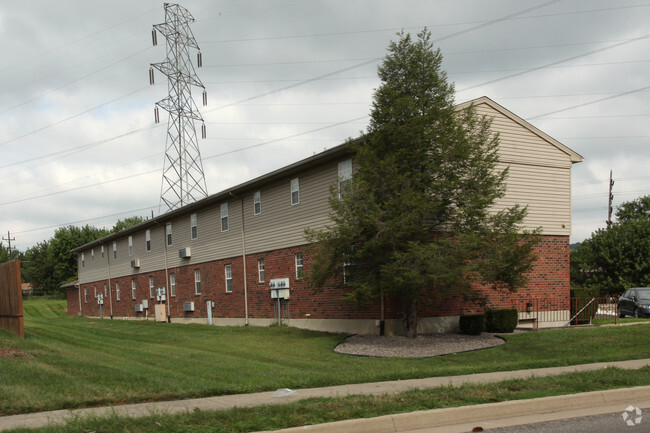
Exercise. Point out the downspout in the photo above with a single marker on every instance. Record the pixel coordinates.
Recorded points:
(243, 255)
(110, 289)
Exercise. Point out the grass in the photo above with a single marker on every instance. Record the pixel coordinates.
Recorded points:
(80, 362)
(321, 410)
(611, 320)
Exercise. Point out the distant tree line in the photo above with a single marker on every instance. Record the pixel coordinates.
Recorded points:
(617, 257)
(50, 264)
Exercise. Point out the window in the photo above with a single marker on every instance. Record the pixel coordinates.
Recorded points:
(299, 267)
(197, 281)
(95, 290)
(117, 291)
(260, 269)
(115, 250)
(172, 285)
(169, 233)
(102, 251)
(92, 255)
(257, 203)
(345, 175)
(133, 290)
(151, 288)
(224, 217)
(105, 291)
(194, 225)
(85, 295)
(147, 236)
(130, 246)
(228, 272)
(83, 260)
(295, 191)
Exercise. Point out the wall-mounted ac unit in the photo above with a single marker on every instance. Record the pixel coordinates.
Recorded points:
(188, 306)
(185, 253)
(135, 263)
(138, 308)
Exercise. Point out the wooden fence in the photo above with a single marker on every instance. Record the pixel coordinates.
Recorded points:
(11, 299)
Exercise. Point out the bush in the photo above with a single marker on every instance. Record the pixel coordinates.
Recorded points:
(472, 324)
(501, 320)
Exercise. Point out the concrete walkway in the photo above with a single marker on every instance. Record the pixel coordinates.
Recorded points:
(441, 418)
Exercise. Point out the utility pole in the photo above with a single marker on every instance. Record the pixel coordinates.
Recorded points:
(611, 197)
(183, 178)
(9, 239)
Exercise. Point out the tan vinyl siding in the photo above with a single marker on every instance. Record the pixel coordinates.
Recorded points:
(282, 225)
(539, 175)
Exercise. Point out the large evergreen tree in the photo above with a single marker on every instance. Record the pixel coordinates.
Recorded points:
(415, 222)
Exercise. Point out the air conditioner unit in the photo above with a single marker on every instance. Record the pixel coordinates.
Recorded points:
(145, 304)
(138, 308)
(185, 253)
(135, 263)
(188, 306)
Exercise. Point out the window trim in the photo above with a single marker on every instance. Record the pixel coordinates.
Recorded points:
(194, 226)
(300, 266)
(227, 269)
(197, 281)
(295, 189)
(224, 217)
(168, 234)
(257, 203)
(261, 272)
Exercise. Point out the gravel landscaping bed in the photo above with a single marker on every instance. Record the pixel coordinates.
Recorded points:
(423, 346)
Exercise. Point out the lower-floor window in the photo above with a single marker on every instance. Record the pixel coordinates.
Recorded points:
(197, 281)
(228, 272)
(172, 285)
(117, 291)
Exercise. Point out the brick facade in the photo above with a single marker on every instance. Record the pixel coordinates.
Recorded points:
(548, 287)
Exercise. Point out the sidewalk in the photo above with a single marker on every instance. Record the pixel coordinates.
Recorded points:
(390, 423)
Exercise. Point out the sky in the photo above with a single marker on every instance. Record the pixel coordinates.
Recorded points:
(286, 79)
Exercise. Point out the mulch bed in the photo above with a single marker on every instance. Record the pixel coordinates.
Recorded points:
(7, 352)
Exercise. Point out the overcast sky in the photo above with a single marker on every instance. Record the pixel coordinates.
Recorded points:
(288, 78)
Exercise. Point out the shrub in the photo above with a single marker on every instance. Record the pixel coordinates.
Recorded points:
(501, 320)
(472, 324)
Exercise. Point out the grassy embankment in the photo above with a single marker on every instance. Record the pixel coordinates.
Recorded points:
(82, 362)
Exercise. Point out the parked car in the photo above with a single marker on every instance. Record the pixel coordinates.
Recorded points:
(635, 302)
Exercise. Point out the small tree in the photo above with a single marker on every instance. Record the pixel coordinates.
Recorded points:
(415, 222)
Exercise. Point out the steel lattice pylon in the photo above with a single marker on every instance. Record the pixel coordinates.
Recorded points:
(183, 180)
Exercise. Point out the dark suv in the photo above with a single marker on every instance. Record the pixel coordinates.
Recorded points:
(635, 302)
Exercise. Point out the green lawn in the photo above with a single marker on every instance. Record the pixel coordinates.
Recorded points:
(84, 362)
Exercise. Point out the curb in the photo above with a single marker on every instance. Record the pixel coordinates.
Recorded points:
(491, 415)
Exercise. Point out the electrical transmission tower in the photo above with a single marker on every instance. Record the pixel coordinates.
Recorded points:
(183, 179)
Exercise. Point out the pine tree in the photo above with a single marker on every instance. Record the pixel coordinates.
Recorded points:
(415, 222)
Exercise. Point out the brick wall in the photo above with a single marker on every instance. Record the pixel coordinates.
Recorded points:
(548, 285)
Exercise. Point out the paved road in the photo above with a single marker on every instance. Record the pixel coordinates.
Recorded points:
(608, 423)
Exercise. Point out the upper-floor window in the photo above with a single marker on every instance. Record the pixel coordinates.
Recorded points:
(194, 226)
(115, 250)
(224, 217)
(147, 237)
(83, 260)
(228, 274)
(168, 231)
(92, 255)
(172, 285)
(299, 266)
(295, 191)
(257, 203)
(260, 270)
(345, 175)
(197, 281)
(130, 246)
(102, 251)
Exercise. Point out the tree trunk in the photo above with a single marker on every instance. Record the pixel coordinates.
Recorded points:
(410, 318)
